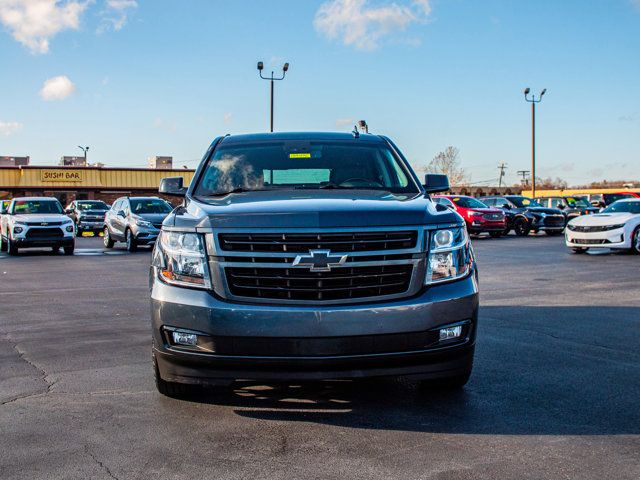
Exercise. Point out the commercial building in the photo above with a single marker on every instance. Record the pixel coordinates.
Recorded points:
(83, 183)
(72, 161)
(7, 161)
(161, 163)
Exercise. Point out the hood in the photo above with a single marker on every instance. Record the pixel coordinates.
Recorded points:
(313, 209)
(37, 218)
(601, 219)
(152, 217)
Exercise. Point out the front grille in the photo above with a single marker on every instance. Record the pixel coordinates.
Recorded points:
(554, 220)
(342, 283)
(49, 224)
(44, 233)
(92, 218)
(590, 241)
(303, 242)
(493, 216)
(601, 228)
(289, 260)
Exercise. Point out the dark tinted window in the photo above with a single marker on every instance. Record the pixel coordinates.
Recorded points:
(91, 205)
(524, 202)
(623, 207)
(149, 205)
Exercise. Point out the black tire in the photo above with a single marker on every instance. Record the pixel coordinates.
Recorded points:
(55, 249)
(68, 250)
(521, 227)
(130, 240)
(78, 232)
(553, 233)
(171, 389)
(506, 231)
(447, 383)
(106, 239)
(635, 240)
(496, 234)
(12, 248)
(3, 244)
(578, 250)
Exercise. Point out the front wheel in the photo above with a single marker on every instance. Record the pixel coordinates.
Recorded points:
(3, 244)
(12, 248)
(68, 250)
(578, 250)
(132, 245)
(107, 240)
(635, 240)
(521, 227)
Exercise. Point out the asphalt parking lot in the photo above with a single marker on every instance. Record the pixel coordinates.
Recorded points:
(554, 394)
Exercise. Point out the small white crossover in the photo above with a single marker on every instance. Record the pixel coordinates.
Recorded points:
(617, 226)
(36, 222)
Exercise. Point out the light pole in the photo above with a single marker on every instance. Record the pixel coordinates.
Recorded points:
(84, 151)
(533, 102)
(272, 79)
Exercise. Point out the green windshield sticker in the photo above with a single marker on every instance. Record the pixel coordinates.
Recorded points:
(299, 155)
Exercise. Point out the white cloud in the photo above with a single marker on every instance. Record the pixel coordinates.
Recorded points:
(57, 88)
(34, 22)
(228, 118)
(345, 122)
(361, 25)
(10, 128)
(115, 14)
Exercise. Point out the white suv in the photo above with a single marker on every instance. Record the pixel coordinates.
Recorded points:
(31, 222)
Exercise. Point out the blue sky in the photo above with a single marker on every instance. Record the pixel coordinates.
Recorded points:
(142, 78)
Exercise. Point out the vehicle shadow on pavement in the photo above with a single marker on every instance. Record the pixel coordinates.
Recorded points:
(539, 371)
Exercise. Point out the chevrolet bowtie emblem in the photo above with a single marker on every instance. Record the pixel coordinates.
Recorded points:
(319, 260)
(44, 224)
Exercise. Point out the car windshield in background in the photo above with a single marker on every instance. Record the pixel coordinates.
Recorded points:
(524, 202)
(305, 165)
(614, 197)
(33, 207)
(92, 206)
(623, 207)
(149, 206)
(577, 202)
(468, 202)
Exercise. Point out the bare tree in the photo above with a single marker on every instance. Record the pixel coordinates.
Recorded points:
(448, 163)
(551, 184)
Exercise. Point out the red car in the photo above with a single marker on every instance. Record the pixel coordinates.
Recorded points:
(478, 217)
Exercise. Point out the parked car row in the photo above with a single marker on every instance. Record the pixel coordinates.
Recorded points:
(36, 222)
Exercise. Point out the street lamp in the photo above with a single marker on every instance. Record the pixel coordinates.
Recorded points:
(533, 102)
(84, 151)
(272, 79)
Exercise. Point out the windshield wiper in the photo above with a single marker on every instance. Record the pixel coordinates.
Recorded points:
(238, 190)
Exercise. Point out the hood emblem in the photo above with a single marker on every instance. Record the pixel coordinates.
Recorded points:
(44, 224)
(319, 260)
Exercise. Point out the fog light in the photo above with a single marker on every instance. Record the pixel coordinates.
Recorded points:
(450, 332)
(187, 339)
(17, 229)
(70, 228)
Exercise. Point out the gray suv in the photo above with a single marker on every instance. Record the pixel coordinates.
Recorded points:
(307, 256)
(135, 221)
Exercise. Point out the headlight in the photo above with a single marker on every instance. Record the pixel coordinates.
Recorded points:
(142, 223)
(69, 228)
(449, 255)
(180, 259)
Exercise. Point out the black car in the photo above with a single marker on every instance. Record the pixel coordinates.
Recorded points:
(525, 215)
(88, 215)
(570, 206)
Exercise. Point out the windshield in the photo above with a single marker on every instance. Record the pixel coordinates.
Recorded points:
(149, 206)
(468, 202)
(577, 202)
(523, 202)
(614, 197)
(32, 207)
(305, 165)
(97, 205)
(623, 207)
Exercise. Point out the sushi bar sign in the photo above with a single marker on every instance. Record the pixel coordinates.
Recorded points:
(61, 176)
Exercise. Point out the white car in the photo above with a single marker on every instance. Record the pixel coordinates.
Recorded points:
(617, 226)
(31, 222)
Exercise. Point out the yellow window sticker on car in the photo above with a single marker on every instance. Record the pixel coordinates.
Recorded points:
(526, 202)
(299, 155)
(457, 199)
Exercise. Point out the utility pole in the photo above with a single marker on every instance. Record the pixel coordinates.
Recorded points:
(272, 79)
(501, 167)
(524, 174)
(533, 102)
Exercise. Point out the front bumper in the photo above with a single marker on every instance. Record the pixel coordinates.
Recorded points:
(145, 235)
(90, 225)
(607, 239)
(486, 226)
(330, 342)
(36, 242)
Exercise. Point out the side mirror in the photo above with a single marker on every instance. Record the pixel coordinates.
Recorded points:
(173, 186)
(506, 206)
(435, 182)
(121, 213)
(68, 211)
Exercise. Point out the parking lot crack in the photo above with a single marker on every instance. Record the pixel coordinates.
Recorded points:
(99, 463)
(43, 374)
